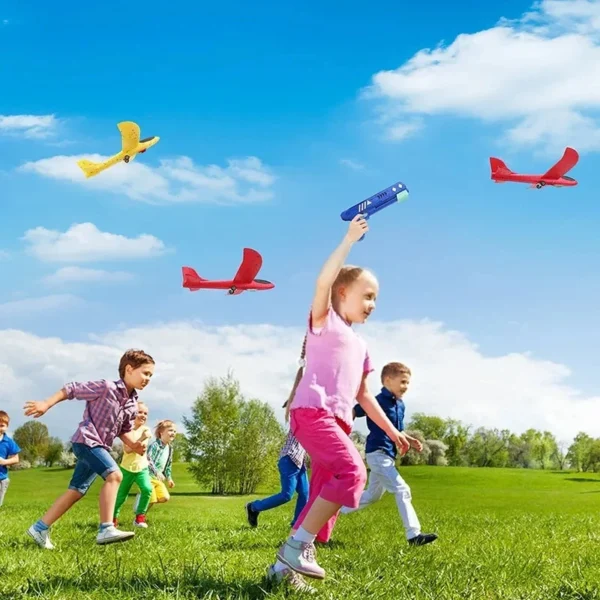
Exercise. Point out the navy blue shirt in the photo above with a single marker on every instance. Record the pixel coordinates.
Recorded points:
(378, 439)
(8, 448)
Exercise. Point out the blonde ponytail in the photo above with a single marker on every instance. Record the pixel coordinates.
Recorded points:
(288, 402)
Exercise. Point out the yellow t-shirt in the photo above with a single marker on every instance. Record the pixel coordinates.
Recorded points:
(132, 461)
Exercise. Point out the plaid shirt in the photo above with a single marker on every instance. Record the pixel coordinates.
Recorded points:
(155, 449)
(294, 450)
(109, 411)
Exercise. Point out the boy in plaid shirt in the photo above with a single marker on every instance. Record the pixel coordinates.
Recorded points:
(110, 411)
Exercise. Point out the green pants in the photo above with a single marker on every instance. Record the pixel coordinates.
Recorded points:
(143, 482)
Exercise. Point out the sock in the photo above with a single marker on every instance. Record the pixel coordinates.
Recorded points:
(279, 566)
(40, 526)
(303, 536)
(104, 526)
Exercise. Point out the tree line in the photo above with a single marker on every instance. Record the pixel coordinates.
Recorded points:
(232, 444)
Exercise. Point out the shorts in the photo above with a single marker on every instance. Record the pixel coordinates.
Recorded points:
(91, 462)
(160, 493)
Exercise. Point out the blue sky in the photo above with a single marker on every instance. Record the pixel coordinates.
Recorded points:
(513, 269)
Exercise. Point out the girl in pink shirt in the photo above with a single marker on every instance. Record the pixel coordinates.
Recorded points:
(335, 376)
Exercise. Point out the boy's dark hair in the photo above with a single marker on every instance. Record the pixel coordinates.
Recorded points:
(4, 418)
(135, 358)
(394, 369)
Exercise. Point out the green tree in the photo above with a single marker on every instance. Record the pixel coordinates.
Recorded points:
(53, 452)
(579, 451)
(256, 446)
(232, 444)
(560, 455)
(488, 448)
(456, 437)
(180, 448)
(33, 439)
(432, 428)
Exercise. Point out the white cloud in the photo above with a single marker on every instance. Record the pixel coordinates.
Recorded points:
(244, 180)
(351, 164)
(30, 126)
(84, 242)
(534, 75)
(42, 304)
(82, 275)
(4, 255)
(451, 377)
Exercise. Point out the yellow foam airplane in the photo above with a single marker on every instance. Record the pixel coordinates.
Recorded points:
(131, 146)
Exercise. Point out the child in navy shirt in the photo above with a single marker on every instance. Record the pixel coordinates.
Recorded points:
(9, 454)
(380, 452)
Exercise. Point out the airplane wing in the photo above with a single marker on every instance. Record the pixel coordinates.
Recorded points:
(248, 270)
(565, 164)
(130, 135)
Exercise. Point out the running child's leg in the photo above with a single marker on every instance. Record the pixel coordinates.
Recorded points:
(332, 450)
(288, 476)
(3, 488)
(124, 488)
(374, 491)
(302, 489)
(145, 484)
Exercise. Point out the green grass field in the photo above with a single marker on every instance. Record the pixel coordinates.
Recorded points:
(504, 534)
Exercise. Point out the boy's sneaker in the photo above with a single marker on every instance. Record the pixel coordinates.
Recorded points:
(252, 515)
(422, 539)
(300, 556)
(41, 538)
(140, 521)
(111, 535)
(291, 578)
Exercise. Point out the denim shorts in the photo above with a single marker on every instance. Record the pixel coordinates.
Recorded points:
(91, 462)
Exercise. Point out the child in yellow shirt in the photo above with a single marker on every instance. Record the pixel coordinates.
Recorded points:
(135, 470)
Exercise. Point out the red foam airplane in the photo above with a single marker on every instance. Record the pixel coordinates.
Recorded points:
(554, 176)
(244, 280)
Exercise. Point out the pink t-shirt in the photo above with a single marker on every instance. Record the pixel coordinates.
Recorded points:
(336, 361)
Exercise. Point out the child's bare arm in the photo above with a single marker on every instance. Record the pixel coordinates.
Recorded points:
(37, 408)
(11, 460)
(370, 405)
(322, 298)
(135, 446)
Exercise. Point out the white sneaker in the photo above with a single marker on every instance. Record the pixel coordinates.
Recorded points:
(142, 524)
(293, 580)
(301, 557)
(111, 535)
(41, 538)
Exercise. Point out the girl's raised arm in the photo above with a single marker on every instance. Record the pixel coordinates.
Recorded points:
(322, 298)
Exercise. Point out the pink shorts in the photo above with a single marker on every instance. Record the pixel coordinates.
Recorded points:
(338, 472)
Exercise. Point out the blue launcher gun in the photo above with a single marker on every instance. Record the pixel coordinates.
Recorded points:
(373, 204)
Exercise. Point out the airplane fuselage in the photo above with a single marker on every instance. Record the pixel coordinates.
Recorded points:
(563, 181)
(252, 286)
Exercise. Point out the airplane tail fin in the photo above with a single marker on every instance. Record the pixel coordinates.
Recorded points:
(89, 168)
(190, 277)
(499, 167)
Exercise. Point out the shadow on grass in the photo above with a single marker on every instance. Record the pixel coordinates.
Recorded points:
(191, 581)
(582, 480)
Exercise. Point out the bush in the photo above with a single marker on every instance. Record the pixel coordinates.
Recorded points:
(67, 460)
(22, 464)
